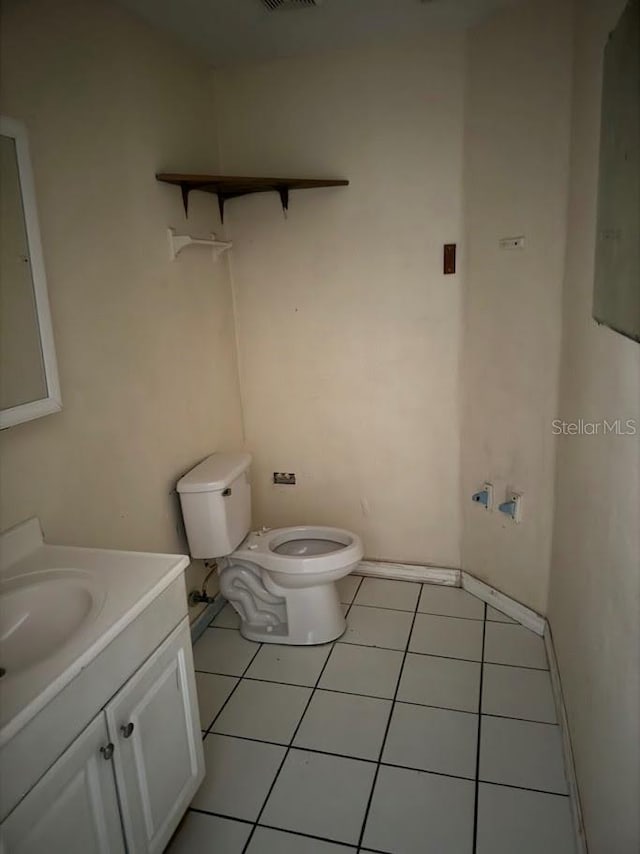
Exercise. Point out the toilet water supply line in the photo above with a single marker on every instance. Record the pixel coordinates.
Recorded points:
(198, 597)
(239, 585)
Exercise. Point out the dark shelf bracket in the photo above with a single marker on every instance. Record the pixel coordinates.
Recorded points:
(184, 189)
(283, 192)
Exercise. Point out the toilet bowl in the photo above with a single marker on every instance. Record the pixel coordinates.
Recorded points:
(281, 581)
(297, 569)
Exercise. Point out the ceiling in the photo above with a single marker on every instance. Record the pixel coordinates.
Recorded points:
(228, 32)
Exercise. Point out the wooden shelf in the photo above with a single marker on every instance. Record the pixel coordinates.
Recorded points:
(229, 186)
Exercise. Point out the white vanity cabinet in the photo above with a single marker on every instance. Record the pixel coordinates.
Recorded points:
(153, 722)
(74, 808)
(126, 780)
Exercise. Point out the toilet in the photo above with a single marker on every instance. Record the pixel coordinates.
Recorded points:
(280, 581)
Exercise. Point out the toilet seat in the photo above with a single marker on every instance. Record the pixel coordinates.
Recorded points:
(299, 550)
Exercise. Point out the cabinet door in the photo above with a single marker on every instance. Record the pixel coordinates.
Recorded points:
(73, 809)
(154, 723)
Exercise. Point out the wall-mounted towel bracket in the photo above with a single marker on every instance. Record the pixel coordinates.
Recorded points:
(178, 242)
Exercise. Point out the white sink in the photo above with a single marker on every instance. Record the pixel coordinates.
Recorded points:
(60, 606)
(41, 611)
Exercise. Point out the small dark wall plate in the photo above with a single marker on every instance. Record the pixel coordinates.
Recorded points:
(449, 259)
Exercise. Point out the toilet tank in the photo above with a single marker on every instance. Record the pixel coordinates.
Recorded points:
(216, 504)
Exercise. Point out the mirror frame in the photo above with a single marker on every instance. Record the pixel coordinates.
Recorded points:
(53, 401)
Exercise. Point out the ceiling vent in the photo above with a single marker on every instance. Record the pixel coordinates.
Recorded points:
(275, 5)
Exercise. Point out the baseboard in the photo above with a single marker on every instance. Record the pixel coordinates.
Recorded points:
(563, 721)
(409, 572)
(205, 616)
(520, 613)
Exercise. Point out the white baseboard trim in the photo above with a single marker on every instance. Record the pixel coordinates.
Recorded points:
(409, 572)
(205, 616)
(503, 603)
(569, 765)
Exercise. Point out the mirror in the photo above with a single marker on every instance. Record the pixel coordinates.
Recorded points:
(29, 386)
(616, 292)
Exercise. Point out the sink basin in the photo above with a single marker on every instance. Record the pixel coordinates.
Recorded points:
(60, 608)
(40, 612)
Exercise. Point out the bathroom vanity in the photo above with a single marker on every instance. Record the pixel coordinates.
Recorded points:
(100, 743)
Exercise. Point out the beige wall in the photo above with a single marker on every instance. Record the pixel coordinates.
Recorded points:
(145, 346)
(516, 170)
(348, 331)
(594, 603)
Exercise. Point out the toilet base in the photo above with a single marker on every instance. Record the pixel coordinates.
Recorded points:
(301, 616)
(320, 636)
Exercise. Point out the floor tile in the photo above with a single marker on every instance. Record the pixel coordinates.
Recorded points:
(527, 822)
(446, 682)
(298, 665)
(362, 670)
(520, 753)
(223, 651)
(209, 834)
(450, 602)
(228, 618)
(507, 644)
(321, 795)
(268, 841)
(239, 776)
(377, 627)
(212, 691)
(496, 616)
(413, 812)
(382, 593)
(344, 723)
(263, 710)
(447, 636)
(347, 588)
(432, 740)
(518, 692)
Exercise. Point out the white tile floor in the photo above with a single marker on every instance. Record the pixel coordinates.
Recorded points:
(428, 727)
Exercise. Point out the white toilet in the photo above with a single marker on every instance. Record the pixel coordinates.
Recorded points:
(280, 581)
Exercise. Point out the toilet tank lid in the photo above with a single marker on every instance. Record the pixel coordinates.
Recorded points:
(215, 473)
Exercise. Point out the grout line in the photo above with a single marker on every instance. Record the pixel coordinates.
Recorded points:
(382, 608)
(524, 788)
(402, 648)
(291, 740)
(307, 835)
(315, 750)
(388, 648)
(411, 611)
(479, 736)
(385, 700)
(388, 726)
(221, 815)
(296, 747)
